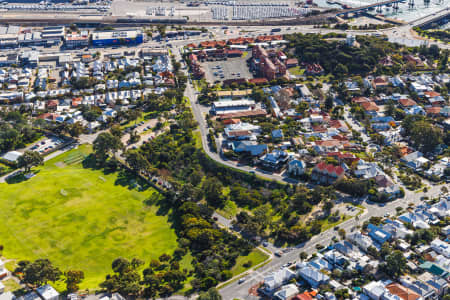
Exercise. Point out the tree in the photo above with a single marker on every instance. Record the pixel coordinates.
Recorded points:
(116, 131)
(38, 272)
(134, 114)
(329, 101)
(211, 294)
(212, 189)
(125, 279)
(395, 264)
(152, 284)
(303, 255)
(76, 129)
(104, 143)
(340, 70)
(73, 279)
(425, 136)
(29, 159)
(136, 161)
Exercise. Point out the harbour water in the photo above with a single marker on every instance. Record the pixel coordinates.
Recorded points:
(404, 13)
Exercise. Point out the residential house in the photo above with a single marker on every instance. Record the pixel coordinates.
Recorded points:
(396, 229)
(277, 134)
(378, 234)
(313, 276)
(370, 107)
(327, 173)
(276, 279)
(403, 292)
(374, 290)
(296, 167)
(417, 219)
(360, 240)
(424, 290)
(446, 230)
(47, 292)
(286, 292)
(274, 160)
(414, 160)
(250, 147)
(242, 131)
(379, 82)
(437, 283)
(406, 103)
(3, 270)
(441, 247)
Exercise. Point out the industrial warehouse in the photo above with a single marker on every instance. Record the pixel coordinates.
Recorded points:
(16, 36)
(108, 38)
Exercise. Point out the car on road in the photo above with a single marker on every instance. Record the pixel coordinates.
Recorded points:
(278, 254)
(265, 244)
(241, 280)
(386, 215)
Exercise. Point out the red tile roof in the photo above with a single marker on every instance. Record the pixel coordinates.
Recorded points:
(403, 292)
(431, 94)
(329, 168)
(407, 102)
(370, 106)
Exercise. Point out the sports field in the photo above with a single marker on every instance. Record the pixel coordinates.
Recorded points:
(81, 218)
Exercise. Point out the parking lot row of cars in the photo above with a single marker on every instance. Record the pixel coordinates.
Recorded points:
(219, 72)
(46, 145)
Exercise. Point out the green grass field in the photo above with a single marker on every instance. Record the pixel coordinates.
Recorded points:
(81, 219)
(256, 257)
(296, 71)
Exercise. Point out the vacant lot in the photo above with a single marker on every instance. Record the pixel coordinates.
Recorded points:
(81, 218)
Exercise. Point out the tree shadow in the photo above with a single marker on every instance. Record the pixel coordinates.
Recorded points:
(18, 177)
(90, 162)
(130, 180)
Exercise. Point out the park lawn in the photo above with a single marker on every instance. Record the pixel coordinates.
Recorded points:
(145, 116)
(296, 71)
(81, 219)
(327, 225)
(256, 256)
(229, 210)
(11, 285)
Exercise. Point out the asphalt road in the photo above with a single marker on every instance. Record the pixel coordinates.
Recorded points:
(236, 290)
(240, 291)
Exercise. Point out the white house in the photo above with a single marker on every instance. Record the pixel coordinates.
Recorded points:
(277, 279)
(47, 292)
(296, 167)
(360, 240)
(441, 247)
(7, 296)
(286, 292)
(446, 230)
(12, 156)
(313, 276)
(374, 290)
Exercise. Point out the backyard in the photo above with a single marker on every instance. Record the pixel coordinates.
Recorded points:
(81, 218)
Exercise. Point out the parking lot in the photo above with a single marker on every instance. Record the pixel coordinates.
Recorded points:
(233, 68)
(46, 145)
